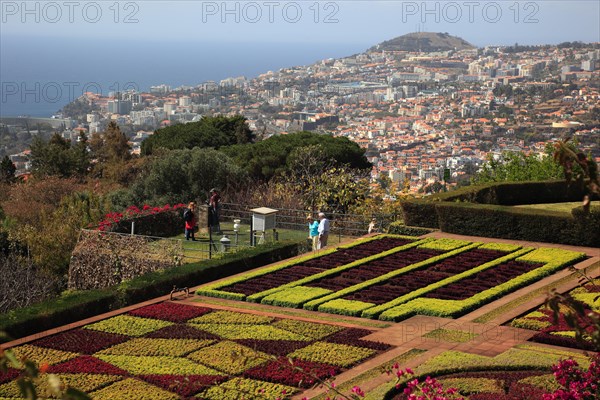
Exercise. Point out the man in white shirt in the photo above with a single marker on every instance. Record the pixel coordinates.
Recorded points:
(323, 230)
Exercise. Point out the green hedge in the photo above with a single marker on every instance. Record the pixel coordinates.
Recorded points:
(514, 193)
(74, 306)
(420, 213)
(399, 228)
(520, 224)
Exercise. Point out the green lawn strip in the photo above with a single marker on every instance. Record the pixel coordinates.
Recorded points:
(212, 290)
(375, 311)
(298, 313)
(371, 374)
(451, 361)
(450, 335)
(555, 259)
(314, 304)
(257, 297)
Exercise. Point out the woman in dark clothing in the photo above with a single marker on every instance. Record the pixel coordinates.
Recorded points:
(190, 221)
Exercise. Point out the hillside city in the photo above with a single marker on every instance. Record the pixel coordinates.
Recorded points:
(423, 116)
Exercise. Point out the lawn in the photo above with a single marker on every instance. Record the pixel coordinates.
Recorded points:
(561, 207)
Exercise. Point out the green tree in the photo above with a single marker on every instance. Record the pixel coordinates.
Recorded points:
(276, 155)
(53, 157)
(7, 170)
(213, 132)
(183, 175)
(518, 166)
(111, 151)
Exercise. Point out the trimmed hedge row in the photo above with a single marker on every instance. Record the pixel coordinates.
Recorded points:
(74, 306)
(520, 224)
(514, 193)
(399, 228)
(507, 222)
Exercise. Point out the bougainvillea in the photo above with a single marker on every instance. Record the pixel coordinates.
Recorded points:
(576, 383)
(132, 212)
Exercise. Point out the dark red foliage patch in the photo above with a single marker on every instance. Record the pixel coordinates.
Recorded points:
(401, 285)
(352, 337)
(181, 331)
(274, 347)
(184, 385)
(86, 365)
(170, 312)
(9, 375)
(86, 341)
(301, 374)
(484, 280)
(374, 269)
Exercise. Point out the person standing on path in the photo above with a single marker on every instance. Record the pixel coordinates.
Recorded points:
(313, 231)
(323, 230)
(189, 217)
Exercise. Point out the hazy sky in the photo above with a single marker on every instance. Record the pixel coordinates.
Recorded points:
(361, 22)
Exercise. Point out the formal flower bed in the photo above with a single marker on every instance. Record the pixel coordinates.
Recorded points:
(441, 277)
(174, 351)
(240, 287)
(559, 332)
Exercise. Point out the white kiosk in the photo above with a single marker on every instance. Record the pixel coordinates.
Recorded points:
(263, 219)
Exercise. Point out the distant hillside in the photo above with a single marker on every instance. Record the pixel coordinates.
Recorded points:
(423, 41)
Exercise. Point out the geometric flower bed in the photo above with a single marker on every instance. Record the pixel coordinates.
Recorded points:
(438, 277)
(170, 351)
(559, 333)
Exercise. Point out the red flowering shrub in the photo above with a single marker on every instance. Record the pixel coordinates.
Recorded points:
(184, 385)
(170, 312)
(84, 341)
(298, 373)
(86, 365)
(152, 221)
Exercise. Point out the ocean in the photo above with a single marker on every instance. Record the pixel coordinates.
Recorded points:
(40, 76)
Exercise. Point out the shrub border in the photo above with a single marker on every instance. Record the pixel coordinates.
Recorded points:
(74, 306)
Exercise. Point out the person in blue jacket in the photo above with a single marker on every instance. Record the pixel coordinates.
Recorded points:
(313, 231)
